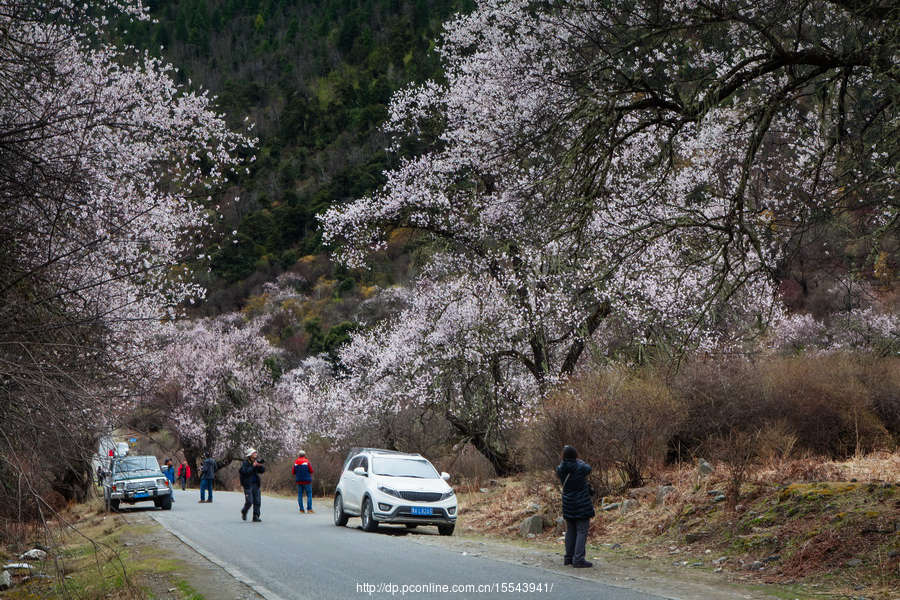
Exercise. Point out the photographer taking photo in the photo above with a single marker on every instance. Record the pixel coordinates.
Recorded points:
(251, 469)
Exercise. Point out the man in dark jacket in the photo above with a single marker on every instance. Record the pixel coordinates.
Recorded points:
(207, 474)
(577, 506)
(303, 473)
(250, 471)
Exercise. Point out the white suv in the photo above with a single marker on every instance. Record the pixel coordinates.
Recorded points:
(381, 486)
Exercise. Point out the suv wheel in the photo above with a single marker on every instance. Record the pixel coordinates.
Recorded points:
(368, 521)
(446, 529)
(340, 517)
(165, 502)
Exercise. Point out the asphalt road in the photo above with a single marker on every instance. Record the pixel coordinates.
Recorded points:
(304, 556)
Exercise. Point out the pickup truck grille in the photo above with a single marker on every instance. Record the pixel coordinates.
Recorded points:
(140, 485)
(421, 496)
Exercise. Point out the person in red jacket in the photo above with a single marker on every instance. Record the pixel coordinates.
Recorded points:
(183, 473)
(303, 472)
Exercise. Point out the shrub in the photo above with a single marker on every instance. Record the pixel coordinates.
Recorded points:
(882, 380)
(740, 451)
(831, 405)
(618, 420)
(826, 403)
(715, 397)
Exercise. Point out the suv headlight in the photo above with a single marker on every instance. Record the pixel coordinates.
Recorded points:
(448, 495)
(120, 485)
(162, 482)
(389, 491)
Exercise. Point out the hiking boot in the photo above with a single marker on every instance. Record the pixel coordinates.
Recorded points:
(310, 511)
(567, 561)
(583, 564)
(243, 515)
(302, 511)
(257, 520)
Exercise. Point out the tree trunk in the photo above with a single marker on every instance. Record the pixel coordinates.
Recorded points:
(496, 452)
(192, 455)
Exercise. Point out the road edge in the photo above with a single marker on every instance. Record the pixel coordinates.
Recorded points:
(232, 571)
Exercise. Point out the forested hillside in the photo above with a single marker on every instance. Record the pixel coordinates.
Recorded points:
(315, 78)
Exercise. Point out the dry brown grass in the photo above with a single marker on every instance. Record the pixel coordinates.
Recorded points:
(816, 515)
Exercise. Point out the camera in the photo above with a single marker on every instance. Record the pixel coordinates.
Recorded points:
(261, 461)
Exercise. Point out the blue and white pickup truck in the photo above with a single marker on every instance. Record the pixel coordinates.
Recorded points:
(134, 479)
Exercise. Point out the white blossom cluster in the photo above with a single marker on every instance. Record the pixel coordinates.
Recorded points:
(103, 159)
(857, 329)
(219, 393)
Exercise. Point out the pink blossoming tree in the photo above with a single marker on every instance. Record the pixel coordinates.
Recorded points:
(103, 159)
(638, 163)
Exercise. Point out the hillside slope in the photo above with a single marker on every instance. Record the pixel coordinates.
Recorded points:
(813, 526)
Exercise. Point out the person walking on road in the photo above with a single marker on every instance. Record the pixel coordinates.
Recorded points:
(303, 472)
(207, 474)
(577, 506)
(250, 471)
(169, 471)
(183, 474)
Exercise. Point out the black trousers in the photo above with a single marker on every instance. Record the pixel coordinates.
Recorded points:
(576, 538)
(252, 498)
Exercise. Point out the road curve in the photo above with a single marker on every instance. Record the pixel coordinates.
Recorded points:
(293, 556)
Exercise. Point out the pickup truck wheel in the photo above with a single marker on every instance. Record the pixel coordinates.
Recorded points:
(110, 504)
(368, 521)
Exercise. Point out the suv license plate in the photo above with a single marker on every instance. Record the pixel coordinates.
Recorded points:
(141, 494)
(416, 510)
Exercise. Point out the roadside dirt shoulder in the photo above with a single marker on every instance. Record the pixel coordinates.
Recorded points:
(202, 577)
(634, 573)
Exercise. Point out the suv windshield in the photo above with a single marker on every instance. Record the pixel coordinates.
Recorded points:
(403, 467)
(136, 464)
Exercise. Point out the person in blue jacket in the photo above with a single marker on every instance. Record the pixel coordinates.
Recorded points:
(577, 506)
(169, 471)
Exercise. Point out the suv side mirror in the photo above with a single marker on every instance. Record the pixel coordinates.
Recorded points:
(360, 471)
(445, 475)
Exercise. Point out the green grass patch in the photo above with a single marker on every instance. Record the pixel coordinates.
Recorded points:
(187, 592)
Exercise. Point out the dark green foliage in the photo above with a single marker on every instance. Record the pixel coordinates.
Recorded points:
(315, 79)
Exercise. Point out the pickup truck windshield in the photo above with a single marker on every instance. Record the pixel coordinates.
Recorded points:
(136, 464)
